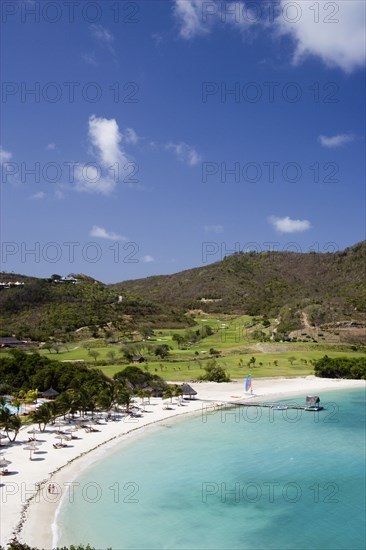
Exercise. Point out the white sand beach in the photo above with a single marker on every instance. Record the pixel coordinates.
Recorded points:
(28, 509)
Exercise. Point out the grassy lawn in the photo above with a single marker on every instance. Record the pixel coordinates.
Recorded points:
(232, 338)
(190, 370)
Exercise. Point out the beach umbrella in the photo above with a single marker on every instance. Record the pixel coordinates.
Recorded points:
(31, 449)
(60, 437)
(33, 432)
(71, 430)
(4, 462)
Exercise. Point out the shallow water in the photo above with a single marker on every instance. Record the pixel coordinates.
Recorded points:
(235, 479)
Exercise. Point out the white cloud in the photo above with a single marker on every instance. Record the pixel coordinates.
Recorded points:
(332, 31)
(130, 136)
(112, 163)
(104, 134)
(189, 15)
(338, 37)
(51, 146)
(5, 156)
(213, 228)
(103, 36)
(101, 233)
(287, 225)
(90, 59)
(39, 196)
(147, 259)
(335, 141)
(184, 153)
(90, 178)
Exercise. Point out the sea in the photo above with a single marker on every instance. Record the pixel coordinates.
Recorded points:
(237, 478)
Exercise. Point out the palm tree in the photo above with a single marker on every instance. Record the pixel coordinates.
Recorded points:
(178, 392)
(169, 393)
(42, 415)
(10, 423)
(104, 400)
(124, 397)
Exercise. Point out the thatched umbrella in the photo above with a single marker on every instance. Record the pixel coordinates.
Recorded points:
(71, 430)
(4, 462)
(33, 432)
(188, 390)
(60, 437)
(31, 448)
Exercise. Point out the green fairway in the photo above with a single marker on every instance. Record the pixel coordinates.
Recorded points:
(233, 340)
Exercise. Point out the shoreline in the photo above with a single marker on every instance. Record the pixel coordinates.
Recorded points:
(30, 513)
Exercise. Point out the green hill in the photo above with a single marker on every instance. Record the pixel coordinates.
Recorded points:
(42, 308)
(329, 287)
(298, 290)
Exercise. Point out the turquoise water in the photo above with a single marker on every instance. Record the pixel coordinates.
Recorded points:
(283, 480)
(14, 410)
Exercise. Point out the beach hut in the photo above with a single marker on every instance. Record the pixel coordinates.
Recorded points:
(188, 390)
(313, 402)
(138, 359)
(50, 393)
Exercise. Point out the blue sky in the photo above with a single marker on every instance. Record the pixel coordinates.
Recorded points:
(164, 135)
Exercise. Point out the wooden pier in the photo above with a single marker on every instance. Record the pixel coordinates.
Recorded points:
(278, 406)
(273, 406)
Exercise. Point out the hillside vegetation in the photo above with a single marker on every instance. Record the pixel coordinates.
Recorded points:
(328, 287)
(41, 309)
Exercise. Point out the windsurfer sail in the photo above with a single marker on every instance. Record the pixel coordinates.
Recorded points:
(248, 384)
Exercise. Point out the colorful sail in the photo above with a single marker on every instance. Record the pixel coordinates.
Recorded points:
(248, 383)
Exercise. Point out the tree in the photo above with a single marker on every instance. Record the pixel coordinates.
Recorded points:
(251, 362)
(179, 338)
(124, 397)
(292, 360)
(214, 373)
(104, 400)
(48, 345)
(56, 346)
(10, 423)
(146, 332)
(41, 416)
(169, 394)
(162, 351)
(94, 353)
(17, 402)
(143, 394)
(178, 392)
(31, 396)
(111, 354)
